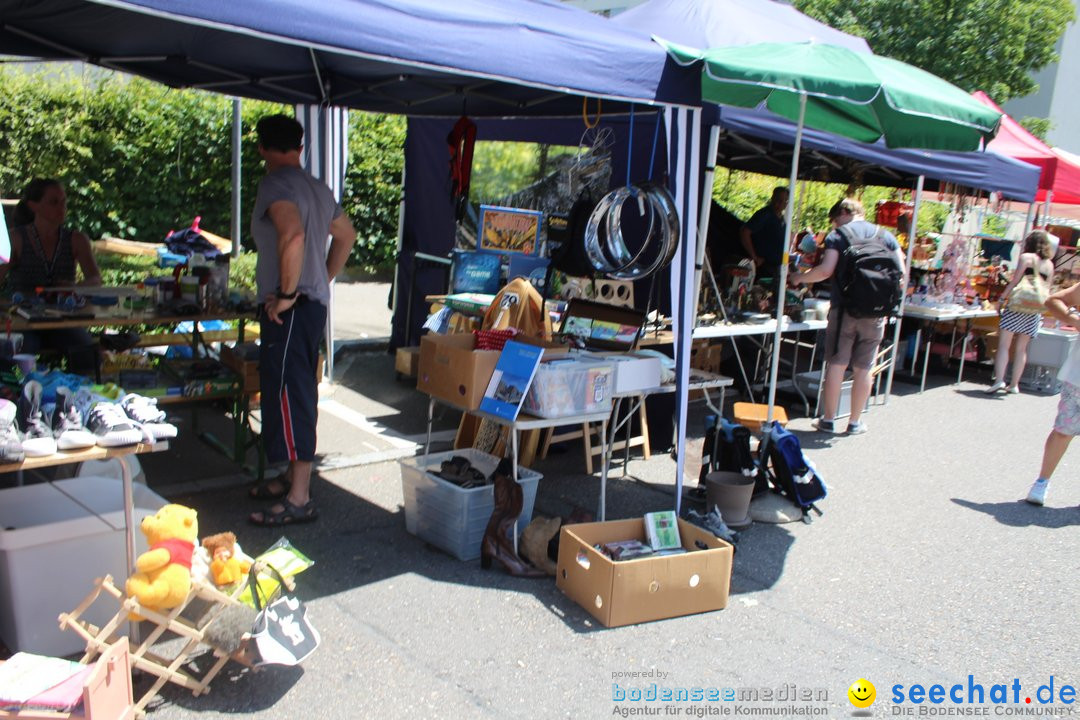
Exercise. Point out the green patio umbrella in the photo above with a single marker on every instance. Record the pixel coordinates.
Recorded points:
(857, 95)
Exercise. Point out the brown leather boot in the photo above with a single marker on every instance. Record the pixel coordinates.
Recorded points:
(508, 505)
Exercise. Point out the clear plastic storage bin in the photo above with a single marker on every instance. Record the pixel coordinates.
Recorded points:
(564, 388)
(453, 518)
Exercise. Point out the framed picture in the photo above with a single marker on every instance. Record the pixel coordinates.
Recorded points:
(509, 230)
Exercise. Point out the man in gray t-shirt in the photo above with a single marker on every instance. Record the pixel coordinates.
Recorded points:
(293, 216)
(849, 340)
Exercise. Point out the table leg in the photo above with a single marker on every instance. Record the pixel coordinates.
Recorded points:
(963, 354)
(430, 413)
(635, 403)
(926, 362)
(129, 534)
(915, 349)
(514, 462)
(603, 470)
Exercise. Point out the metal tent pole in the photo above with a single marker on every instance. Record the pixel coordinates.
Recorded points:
(782, 286)
(912, 234)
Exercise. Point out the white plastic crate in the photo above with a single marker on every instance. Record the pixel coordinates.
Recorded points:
(454, 518)
(56, 539)
(564, 388)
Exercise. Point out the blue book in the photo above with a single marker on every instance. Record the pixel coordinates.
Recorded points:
(510, 382)
(533, 269)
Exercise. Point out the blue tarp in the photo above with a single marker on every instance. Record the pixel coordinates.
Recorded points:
(414, 57)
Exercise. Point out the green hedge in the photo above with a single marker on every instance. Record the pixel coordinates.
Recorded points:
(139, 159)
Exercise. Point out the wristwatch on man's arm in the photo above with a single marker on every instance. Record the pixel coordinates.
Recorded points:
(286, 296)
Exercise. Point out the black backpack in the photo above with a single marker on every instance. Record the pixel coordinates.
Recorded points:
(727, 448)
(869, 277)
(789, 472)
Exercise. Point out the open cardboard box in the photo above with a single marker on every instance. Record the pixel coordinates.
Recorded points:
(649, 588)
(451, 370)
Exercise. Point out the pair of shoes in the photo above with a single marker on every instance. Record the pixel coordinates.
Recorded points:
(496, 543)
(1014, 391)
(857, 427)
(264, 491)
(111, 427)
(288, 515)
(67, 424)
(37, 439)
(828, 426)
(144, 411)
(999, 385)
(459, 471)
(11, 450)
(1037, 494)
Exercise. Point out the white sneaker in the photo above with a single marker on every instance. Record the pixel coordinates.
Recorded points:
(857, 427)
(999, 385)
(1014, 391)
(1037, 494)
(144, 411)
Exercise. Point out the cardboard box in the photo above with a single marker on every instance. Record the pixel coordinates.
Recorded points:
(407, 361)
(650, 588)
(244, 360)
(451, 370)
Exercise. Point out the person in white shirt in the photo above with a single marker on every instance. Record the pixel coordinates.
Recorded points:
(1067, 423)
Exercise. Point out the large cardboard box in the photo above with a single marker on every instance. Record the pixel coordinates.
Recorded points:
(651, 588)
(451, 370)
(407, 361)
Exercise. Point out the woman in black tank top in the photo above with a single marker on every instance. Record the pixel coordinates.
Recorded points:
(44, 253)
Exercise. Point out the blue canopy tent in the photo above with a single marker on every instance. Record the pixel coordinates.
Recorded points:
(491, 58)
(760, 141)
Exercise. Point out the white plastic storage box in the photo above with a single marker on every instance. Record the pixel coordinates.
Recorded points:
(51, 550)
(104, 497)
(564, 388)
(454, 518)
(808, 383)
(1050, 348)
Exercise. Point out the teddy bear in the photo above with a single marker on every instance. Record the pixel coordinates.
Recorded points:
(163, 573)
(226, 568)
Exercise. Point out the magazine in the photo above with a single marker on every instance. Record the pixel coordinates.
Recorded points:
(662, 530)
(626, 549)
(510, 382)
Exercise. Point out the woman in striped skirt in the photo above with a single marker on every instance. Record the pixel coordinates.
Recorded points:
(1035, 259)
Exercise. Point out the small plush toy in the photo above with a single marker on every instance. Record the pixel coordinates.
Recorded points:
(225, 567)
(163, 573)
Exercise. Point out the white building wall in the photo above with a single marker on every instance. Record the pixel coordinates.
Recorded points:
(1057, 97)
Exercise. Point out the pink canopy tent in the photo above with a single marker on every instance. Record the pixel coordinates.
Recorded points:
(1060, 170)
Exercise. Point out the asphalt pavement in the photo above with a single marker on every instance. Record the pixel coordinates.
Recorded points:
(926, 568)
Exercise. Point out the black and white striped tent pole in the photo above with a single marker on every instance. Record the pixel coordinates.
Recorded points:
(326, 153)
(683, 127)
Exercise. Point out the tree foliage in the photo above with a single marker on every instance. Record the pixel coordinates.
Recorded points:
(989, 45)
(139, 159)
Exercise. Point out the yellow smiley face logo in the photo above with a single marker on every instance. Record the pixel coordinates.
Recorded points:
(861, 693)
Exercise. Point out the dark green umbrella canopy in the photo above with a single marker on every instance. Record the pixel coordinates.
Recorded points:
(856, 95)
